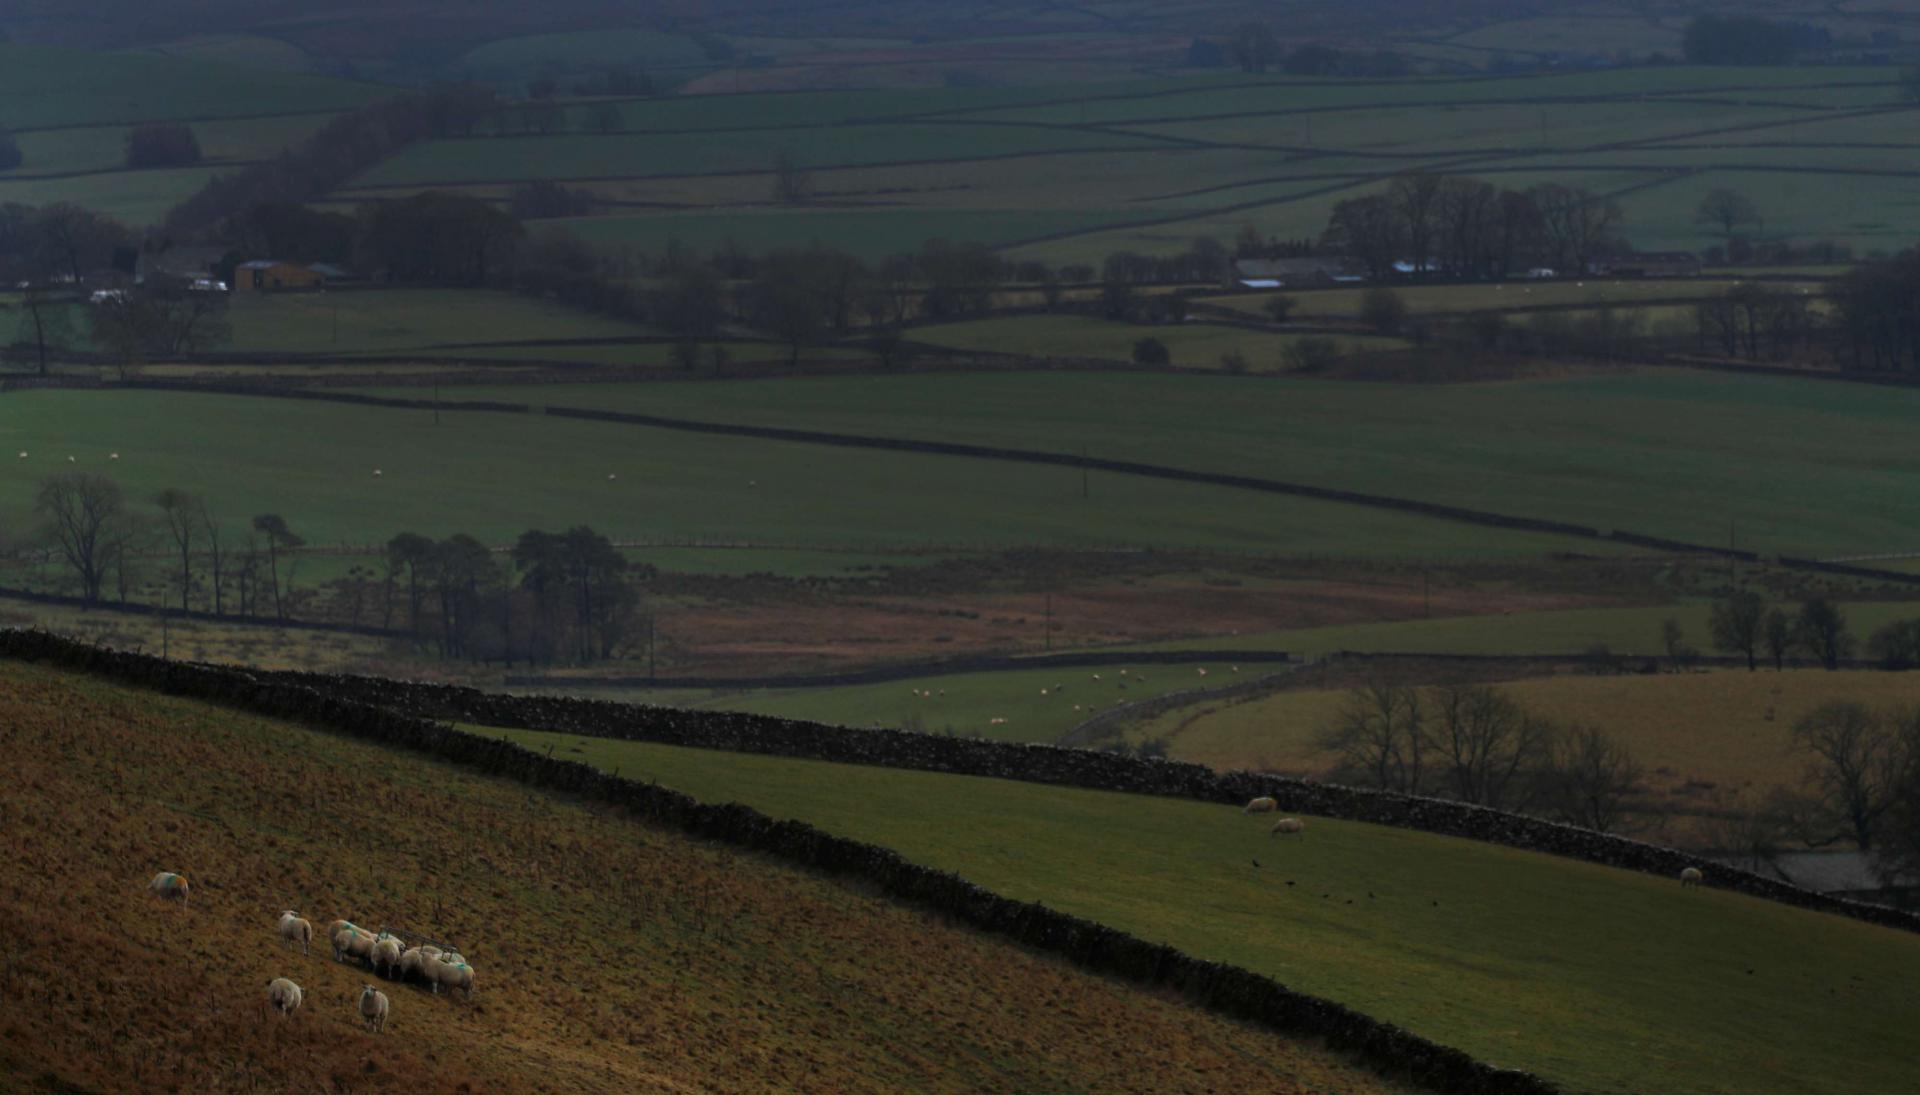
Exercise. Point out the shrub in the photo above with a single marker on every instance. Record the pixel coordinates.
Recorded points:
(1383, 310)
(1279, 306)
(1151, 351)
(10, 154)
(162, 144)
(1312, 354)
(1233, 361)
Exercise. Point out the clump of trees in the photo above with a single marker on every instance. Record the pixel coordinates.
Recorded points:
(1450, 226)
(546, 199)
(1742, 624)
(1878, 305)
(1474, 743)
(162, 144)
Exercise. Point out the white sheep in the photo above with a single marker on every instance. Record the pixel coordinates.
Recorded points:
(1203, 671)
(1691, 876)
(410, 962)
(1265, 804)
(283, 996)
(353, 942)
(1292, 826)
(169, 885)
(450, 970)
(386, 954)
(295, 930)
(373, 1008)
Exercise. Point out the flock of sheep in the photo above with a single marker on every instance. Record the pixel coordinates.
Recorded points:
(383, 952)
(1293, 826)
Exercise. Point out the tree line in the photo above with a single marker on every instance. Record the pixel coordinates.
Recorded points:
(568, 596)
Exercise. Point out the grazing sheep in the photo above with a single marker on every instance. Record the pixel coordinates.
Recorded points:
(1292, 826)
(335, 928)
(1691, 876)
(1265, 804)
(169, 885)
(411, 961)
(353, 942)
(283, 996)
(373, 1008)
(295, 930)
(448, 969)
(386, 955)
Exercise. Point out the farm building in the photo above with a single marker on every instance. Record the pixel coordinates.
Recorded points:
(1291, 273)
(1656, 264)
(184, 265)
(267, 275)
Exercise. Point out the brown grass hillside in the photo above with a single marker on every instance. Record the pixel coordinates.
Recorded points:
(610, 956)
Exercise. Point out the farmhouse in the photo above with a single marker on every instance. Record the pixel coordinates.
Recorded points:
(182, 265)
(1291, 273)
(267, 275)
(1656, 264)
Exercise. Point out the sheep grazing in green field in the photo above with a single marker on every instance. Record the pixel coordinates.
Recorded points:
(295, 930)
(1292, 826)
(1265, 804)
(1691, 876)
(373, 1008)
(172, 886)
(352, 942)
(448, 970)
(283, 996)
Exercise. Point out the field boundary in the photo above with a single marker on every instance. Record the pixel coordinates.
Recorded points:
(1049, 764)
(1224, 989)
(1092, 659)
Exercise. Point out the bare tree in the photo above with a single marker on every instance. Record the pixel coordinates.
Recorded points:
(1417, 198)
(1728, 209)
(81, 509)
(1379, 739)
(792, 182)
(1591, 778)
(1738, 625)
(183, 515)
(279, 538)
(1780, 638)
(215, 558)
(1822, 628)
(1856, 758)
(1486, 744)
(1253, 47)
(1576, 226)
(48, 317)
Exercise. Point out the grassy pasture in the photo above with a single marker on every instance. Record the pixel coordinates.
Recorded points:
(1035, 707)
(1622, 292)
(397, 319)
(1521, 959)
(684, 966)
(1798, 466)
(46, 86)
(871, 234)
(522, 58)
(488, 159)
(103, 148)
(1727, 728)
(1576, 34)
(252, 50)
(136, 198)
(495, 475)
(1192, 345)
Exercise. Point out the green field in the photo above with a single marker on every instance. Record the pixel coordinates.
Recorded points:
(389, 320)
(1793, 466)
(1191, 345)
(1345, 304)
(47, 87)
(1520, 959)
(135, 198)
(103, 148)
(1036, 705)
(496, 475)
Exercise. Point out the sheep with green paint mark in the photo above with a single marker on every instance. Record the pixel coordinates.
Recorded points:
(447, 970)
(352, 942)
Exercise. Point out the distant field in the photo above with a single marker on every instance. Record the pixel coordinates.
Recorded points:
(103, 148)
(1464, 943)
(1728, 729)
(395, 319)
(1192, 345)
(609, 955)
(496, 475)
(45, 86)
(1793, 466)
(136, 198)
(871, 235)
(1623, 292)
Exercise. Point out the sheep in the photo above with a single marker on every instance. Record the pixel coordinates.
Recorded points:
(1691, 876)
(283, 996)
(373, 1008)
(448, 969)
(1265, 804)
(169, 885)
(1292, 826)
(353, 942)
(386, 954)
(411, 960)
(335, 928)
(295, 930)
